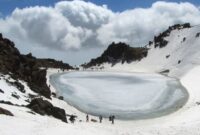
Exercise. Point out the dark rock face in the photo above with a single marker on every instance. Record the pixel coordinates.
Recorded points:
(51, 63)
(43, 107)
(59, 113)
(179, 61)
(197, 35)
(122, 52)
(6, 102)
(53, 94)
(1, 91)
(40, 106)
(19, 86)
(61, 97)
(165, 71)
(119, 52)
(93, 120)
(5, 112)
(160, 39)
(26, 67)
(15, 95)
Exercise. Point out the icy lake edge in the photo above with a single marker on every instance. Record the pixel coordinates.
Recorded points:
(128, 115)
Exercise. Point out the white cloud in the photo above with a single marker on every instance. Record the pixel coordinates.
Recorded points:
(139, 25)
(68, 25)
(84, 14)
(81, 25)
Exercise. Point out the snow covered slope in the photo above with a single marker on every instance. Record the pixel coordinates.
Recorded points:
(179, 55)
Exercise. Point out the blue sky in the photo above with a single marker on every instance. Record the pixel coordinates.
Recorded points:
(7, 6)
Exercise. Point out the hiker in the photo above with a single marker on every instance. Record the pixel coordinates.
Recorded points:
(100, 118)
(112, 119)
(72, 118)
(87, 118)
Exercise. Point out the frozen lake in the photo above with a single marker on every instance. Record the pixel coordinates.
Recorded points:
(128, 96)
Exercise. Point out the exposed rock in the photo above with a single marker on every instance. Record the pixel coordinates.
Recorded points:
(51, 63)
(6, 112)
(26, 67)
(31, 112)
(43, 107)
(6, 102)
(59, 113)
(18, 85)
(61, 97)
(160, 41)
(93, 120)
(119, 52)
(197, 35)
(165, 71)
(1, 91)
(198, 103)
(15, 95)
(40, 106)
(167, 56)
(184, 39)
(53, 94)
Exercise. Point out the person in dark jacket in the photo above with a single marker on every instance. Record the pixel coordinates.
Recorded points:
(112, 119)
(100, 118)
(87, 118)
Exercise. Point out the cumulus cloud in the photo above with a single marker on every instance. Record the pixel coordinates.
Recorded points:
(83, 14)
(139, 25)
(78, 25)
(67, 25)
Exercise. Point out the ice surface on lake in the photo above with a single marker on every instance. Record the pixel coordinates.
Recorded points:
(125, 95)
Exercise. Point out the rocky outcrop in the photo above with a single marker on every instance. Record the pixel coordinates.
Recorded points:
(119, 52)
(5, 112)
(17, 84)
(51, 63)
(26, 67)
(22, 67)
(160, 41)
(44, 107)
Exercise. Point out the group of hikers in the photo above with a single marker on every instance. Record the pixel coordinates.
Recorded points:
(111, 118)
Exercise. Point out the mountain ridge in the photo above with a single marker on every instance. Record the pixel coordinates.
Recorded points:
(169, 50)
(26, 67)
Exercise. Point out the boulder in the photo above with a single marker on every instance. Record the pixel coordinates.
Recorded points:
(59, 113)
(15, 95)
(19, 86)
(93, 120)
(43, 107)
(61, 97)
(5, 112)
(53, 94)
(1, 91)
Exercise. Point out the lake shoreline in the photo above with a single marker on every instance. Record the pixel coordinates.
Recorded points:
(152, 116)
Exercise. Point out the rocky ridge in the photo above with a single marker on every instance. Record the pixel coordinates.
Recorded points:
(122, 52)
